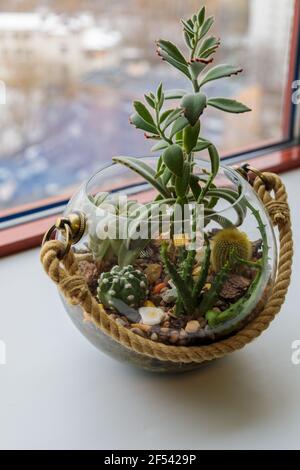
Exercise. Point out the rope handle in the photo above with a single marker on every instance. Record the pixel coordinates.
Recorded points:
(63, 269)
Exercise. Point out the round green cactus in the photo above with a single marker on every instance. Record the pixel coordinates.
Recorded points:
(227, 241)
(126, 284)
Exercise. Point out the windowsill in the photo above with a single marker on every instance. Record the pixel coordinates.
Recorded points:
(29, 235)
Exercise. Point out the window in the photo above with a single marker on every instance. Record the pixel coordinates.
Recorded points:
(57, 128)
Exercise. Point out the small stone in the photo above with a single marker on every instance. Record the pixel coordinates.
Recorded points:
(90, 272)
(141, 326)
(154, 337)
(174, 337)
(166, 324)
(202, 322)
(182, 334)
(120, 321)
(153, 272)
(164, 331)
(192, 326)
(138, 331)
(151, 315)
(169, 295)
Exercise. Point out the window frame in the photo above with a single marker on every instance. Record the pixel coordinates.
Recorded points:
(23, 227)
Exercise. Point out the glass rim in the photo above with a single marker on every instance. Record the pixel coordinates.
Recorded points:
(237, 179)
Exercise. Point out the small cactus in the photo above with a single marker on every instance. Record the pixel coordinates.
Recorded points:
(226, 241)
(126, 284)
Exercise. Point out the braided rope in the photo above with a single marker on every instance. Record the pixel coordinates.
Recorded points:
(73, 285)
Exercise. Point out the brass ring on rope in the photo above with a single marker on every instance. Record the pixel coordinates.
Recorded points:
(246, 168)
(66, 232)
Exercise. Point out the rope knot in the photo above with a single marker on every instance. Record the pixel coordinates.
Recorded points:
(75, 288)
(278, 211)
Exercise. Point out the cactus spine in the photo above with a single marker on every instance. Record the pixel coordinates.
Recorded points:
(226, 241)
(126, 284)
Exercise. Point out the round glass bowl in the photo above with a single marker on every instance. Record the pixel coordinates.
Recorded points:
(187, 288)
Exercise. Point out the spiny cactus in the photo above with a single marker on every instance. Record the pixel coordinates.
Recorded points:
(226, 241)
(126, 284)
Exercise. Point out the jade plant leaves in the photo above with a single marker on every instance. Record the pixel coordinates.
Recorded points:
(160, 145)
(220, 71)
(228, 105)
(178, 126)
(208, 46)
(172, 50)
(190, 137)
(171, 54)
(206, 26)
(140, 123)
(173, 159)
(174, 94)
(143, 112)
(193, 106)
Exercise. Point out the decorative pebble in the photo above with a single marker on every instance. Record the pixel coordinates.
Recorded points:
(154, 337)
(182, 334)
(192, 326)
(174, 336)
(153, 272)
(151, 315)
(148, 303)
(164, 331)
(169, 295)
(141, 326)
(138, 331)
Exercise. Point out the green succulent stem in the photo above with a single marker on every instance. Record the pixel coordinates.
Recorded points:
(199, 284)
(184, 293)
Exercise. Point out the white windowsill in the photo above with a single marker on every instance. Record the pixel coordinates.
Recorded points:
(58, 391)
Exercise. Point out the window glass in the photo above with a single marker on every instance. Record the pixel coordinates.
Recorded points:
(70, 73)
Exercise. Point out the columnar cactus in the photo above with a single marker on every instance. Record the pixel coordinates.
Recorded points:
(227, 241)
(126, 284)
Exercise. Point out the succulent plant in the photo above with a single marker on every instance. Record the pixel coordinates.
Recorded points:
(176, 131)
(227, 241)
(126, 284)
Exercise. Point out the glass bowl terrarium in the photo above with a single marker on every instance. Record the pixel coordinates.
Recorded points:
(184, 286)
(176, 252)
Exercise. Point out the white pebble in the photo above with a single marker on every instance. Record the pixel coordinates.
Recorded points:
(130, 297)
